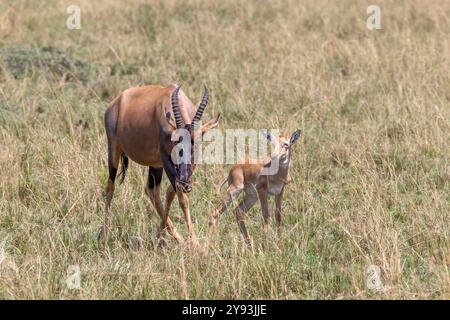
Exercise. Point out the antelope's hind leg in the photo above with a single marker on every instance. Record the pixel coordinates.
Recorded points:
(153, 190)
(114, 153)
(245, 205)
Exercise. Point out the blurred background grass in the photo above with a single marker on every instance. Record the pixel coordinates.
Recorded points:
(370, 175)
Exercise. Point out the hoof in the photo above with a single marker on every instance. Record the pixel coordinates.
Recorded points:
(101, 234)
(180, 219)
(161, 242)
(135, 243)
(195, 245)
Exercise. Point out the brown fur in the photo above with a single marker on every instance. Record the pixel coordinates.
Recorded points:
(137, 125)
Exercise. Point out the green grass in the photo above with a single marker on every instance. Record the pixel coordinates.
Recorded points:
(371, 174)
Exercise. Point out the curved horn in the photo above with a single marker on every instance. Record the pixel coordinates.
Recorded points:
(176, 108)
(201, 107)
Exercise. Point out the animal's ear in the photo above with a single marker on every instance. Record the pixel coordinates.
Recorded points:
(212, 123)
(295, 136)
(266, 134)
(170, 120)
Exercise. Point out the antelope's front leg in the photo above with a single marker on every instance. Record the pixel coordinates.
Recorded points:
(278, 199)
(170, 195)
(262, 194)
(184, 204)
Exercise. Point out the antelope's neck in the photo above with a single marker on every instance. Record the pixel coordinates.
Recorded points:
(283, 168)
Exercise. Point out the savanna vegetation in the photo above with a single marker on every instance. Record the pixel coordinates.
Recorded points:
(370, 176)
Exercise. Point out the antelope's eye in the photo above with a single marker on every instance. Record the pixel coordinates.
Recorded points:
(181, 153)
(286, 145)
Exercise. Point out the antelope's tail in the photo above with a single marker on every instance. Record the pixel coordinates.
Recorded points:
(124, 160)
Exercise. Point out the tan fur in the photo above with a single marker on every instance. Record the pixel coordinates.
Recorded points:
(249, 178)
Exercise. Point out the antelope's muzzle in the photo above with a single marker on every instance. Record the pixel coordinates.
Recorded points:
(184, 176)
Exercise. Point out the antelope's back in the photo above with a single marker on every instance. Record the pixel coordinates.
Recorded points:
(141, 115)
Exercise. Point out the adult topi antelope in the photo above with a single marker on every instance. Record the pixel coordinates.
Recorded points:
(256, 182)
(139, 125)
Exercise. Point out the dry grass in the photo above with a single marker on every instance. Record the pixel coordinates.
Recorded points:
(370, 176)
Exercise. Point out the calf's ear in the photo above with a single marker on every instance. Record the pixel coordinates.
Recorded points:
(295, 136)
(266, 134)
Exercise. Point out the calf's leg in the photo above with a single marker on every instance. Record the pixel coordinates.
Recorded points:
(232, 193)
(240, 211)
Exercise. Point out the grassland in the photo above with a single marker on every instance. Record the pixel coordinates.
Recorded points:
(371, 174)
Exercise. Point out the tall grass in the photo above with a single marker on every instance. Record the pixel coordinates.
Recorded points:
(370, 175)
